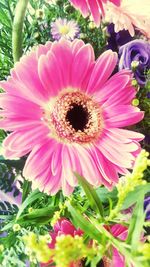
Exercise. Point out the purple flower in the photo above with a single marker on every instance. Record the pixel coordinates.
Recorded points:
(68, 29)
(115, 40)
(147, 207)
(148, 95)
(138, 52)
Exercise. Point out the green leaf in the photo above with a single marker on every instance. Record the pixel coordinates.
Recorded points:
(105, 194)
(7, 226)
(42, 215)
(92, 196)
(84, 224)
(31, 198)
(132, 198)
(26, 189)
(4, 19)
(136, 224)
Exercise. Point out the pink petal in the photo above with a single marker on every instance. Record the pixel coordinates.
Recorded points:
(121, 95)
(76, 45)
(94, 8)
(124, 135)
(39, 159)
(29, 77)
(106, 168)
(83, 60)
(122, 115)
(9, 154)
(54, 71)
(116, 2)
(104, 67)
(116, 84)
(63, 53)
(69, 166)
(43, 49)
(19, 107)
(82, 5)
(22, 140)
(117, 259)
(112, 152)
(88, 165)
(120, 231)
(15, 124)
(17, 88)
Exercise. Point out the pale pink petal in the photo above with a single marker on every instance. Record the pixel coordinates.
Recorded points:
(66, 188)
(125, 135)
(9, 154)
(56, 185)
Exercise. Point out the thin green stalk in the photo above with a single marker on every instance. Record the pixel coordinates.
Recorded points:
(18, 28)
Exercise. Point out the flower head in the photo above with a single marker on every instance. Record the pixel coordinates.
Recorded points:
(129, 15)
(36, 247)
(64, 28)
(66, 242)
(93, 7)
(67, 112)
(136, 55)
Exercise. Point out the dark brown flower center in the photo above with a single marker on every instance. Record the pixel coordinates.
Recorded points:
(78, 117)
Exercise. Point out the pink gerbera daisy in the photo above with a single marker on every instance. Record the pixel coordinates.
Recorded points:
(93, 7)
(67, 111)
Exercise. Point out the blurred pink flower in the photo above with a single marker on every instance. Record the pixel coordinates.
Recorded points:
(117, 259)
(67, 111)
(93, 7)
(63, 227)
(129, 15)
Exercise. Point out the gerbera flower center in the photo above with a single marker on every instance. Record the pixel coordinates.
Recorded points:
(75, 117)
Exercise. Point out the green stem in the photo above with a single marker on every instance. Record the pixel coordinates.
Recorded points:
(18, 28)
